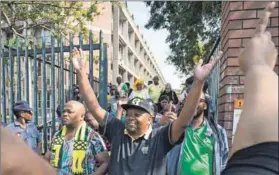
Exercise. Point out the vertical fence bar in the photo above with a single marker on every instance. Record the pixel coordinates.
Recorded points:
(3, 86)
(43, 92)
(18, 70)
(59, 75)
(11, 64)
(91, 71)
(26, 72)
(80, 40)
(52, 86)
(103, 73)
(71, 68)
(35, 84)
(62, 73)
(80, 47)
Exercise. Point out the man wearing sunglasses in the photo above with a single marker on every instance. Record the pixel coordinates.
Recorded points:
(24, 128)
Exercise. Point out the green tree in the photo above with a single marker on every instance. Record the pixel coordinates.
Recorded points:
(200, 51)
(191, 24)
(55, 16)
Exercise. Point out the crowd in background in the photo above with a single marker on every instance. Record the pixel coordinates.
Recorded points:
(148, 130)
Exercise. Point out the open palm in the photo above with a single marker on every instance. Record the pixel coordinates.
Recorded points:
(202, 71)
(77, 59)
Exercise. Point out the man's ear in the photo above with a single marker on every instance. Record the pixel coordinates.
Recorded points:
(82, 116)
(150, 119)
(205, 106)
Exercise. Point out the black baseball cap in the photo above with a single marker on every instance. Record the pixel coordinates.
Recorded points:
(139, 103)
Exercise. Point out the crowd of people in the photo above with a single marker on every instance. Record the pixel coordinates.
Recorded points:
(149, 130)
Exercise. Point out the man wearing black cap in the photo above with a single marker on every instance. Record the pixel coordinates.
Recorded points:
(24, 128)
(137, 148)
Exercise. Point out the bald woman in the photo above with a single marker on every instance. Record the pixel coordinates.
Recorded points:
(76, 148)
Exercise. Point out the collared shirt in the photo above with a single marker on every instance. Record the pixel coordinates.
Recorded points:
(95, 146)
(144, 155)
(144, 135)
(197, 153)
(220, 154)
(30, 135)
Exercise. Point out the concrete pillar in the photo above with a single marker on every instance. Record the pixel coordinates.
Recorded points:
(238, 20)
(125, 55)
(125, 76)
(138, 48)
(132, 39)
(132, 61)
(115, 71)
(125, 30)
(137, 68)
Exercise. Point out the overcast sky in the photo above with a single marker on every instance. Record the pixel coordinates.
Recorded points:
(156, 41)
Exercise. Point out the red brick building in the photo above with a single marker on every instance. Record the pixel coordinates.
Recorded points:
(238, 19)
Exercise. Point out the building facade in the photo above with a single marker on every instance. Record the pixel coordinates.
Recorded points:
(129, 54)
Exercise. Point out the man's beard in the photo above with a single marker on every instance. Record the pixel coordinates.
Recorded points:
(199, 112)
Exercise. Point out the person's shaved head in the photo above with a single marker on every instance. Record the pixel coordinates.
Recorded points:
(77, 105)
(73, 113)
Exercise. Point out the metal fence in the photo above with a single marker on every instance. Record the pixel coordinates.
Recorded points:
(213, 87)
(43, 75)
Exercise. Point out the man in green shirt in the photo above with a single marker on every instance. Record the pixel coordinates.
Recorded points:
(155, 90)
(205, 147)
(197, 151)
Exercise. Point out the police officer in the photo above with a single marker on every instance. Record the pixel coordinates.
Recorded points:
(24, 128)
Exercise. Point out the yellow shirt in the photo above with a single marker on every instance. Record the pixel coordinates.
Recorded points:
(155, 92)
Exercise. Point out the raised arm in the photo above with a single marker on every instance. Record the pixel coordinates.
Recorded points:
(189, 109)
(85, 88)
(259, 119)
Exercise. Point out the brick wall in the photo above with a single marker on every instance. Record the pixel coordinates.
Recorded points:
(238, 19)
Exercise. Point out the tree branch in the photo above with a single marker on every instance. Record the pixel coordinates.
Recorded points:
(38, 3)
(36, 24)
(10, 25)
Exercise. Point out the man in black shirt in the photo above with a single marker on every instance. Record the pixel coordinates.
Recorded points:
(137, 148)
